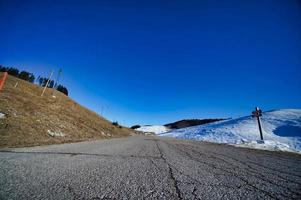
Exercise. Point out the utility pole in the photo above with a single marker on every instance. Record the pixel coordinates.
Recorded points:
(258, 113)
(47, 83)
(56, 81)
(101, 111)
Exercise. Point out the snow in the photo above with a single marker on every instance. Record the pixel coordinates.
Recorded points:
(281, 131)
(2, 115)
(267, 145)
(156, 129)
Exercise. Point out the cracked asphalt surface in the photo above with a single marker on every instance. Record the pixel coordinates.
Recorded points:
(148, 167)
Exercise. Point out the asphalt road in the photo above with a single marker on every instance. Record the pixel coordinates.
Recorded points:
(142, 167)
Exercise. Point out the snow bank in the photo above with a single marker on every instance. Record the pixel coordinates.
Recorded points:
(281, 131)
(156, 129)
(2, 115)
(267, 145)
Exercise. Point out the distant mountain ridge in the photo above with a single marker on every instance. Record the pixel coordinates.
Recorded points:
(190, 122)
(160, 129)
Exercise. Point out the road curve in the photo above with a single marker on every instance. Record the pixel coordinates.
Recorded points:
(148, 167)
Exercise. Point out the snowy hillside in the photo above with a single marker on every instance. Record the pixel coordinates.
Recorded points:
(156, 129)
(281, 131)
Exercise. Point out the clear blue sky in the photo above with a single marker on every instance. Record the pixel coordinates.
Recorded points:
(152, 62)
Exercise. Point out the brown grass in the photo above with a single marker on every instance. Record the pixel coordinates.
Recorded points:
(28, 117)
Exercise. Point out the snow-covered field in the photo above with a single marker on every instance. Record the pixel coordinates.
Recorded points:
(281, 131)
(156, 129)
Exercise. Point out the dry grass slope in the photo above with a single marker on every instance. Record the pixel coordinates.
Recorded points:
(28, 117)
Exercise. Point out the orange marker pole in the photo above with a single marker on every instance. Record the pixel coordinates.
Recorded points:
(2, 80)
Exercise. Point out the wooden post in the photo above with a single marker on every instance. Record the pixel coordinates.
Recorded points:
(259, 125)
(47, 83)
(258, 113)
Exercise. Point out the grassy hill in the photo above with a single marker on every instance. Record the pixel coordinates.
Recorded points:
(29, 118)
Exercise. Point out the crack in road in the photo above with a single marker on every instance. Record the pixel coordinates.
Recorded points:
(170, 171)
(257, 164)
(72, 192)
(194, 193)
(222, 169)
(81, 154)
(148, 167)
(262, 176)
(251, 171)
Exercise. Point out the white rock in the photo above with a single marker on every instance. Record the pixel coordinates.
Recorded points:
(2, 115)
(55, 134)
